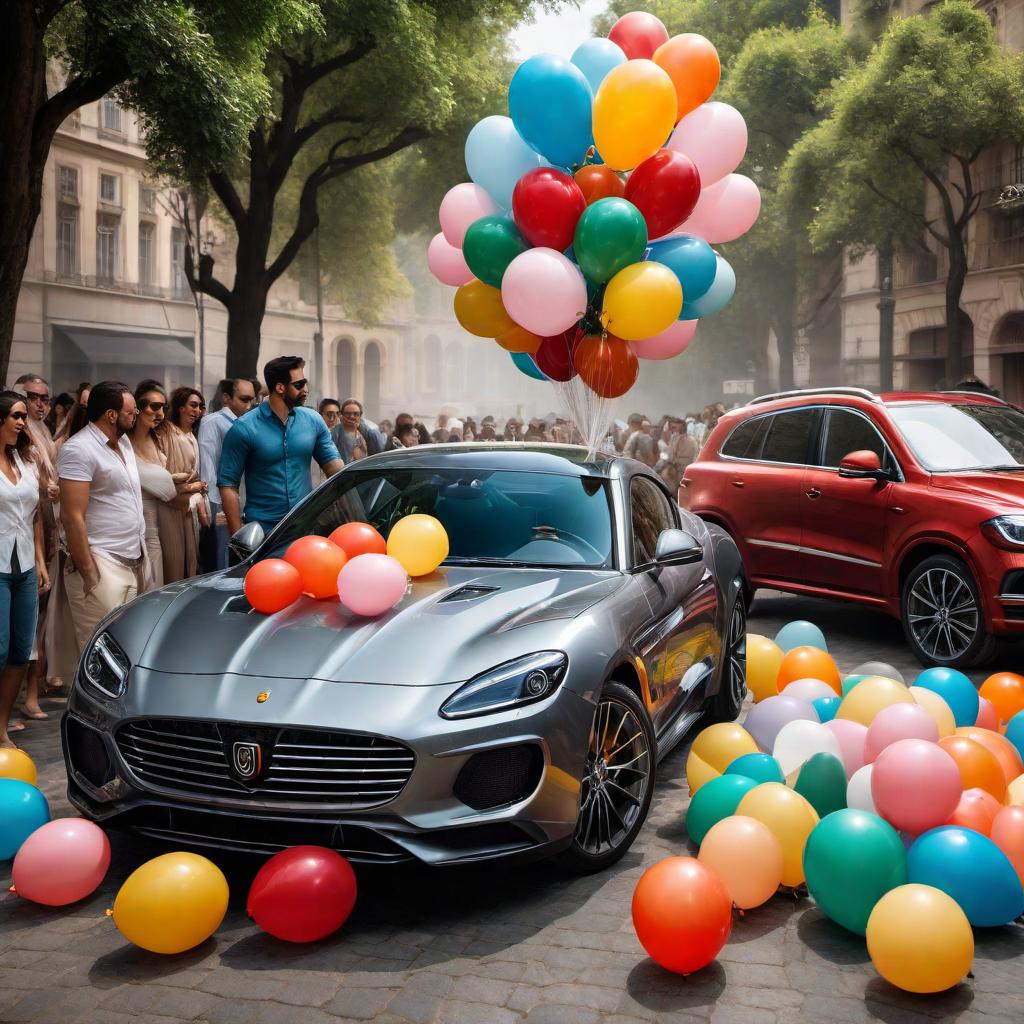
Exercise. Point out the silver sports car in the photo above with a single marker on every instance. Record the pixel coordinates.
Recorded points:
(515, 703)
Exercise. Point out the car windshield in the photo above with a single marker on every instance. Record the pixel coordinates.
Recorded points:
(491, 516)
(949, 438)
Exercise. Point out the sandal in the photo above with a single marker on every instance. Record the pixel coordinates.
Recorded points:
(34, 716)
(53, 687)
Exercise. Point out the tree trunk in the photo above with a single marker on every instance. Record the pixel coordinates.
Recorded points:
(785, 325)
(886, 315)
(245, 316)
(955, 364)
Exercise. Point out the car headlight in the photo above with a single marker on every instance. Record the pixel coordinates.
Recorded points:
(1005, 532)
(105, 666)
(514, 684)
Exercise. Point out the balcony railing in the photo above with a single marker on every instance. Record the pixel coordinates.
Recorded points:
(913, 268)
(1006, 252)
(126, 287)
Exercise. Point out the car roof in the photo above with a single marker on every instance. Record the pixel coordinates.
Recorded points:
(858, 398)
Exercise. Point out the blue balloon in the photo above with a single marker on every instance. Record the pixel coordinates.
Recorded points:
(23, 809)
(826, 707)
(525, 364)
(595, 58)
(800, 633)
(691, 259)
(497, 157)
(716, 298)
(955, 689)
(759, 767)
(972, 869)
(1015, 732)
(550, 103)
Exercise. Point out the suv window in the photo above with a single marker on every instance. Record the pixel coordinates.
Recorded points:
(746, 440)
(788, 436)
(847, 432)
(651, 512)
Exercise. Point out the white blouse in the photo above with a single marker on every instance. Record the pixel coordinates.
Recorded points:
(18, 504)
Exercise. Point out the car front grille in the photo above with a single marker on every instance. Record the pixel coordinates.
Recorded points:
(346, 770)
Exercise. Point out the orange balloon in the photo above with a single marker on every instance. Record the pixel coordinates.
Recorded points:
(978, 766)
(1005, 752)
(976, 810)
(479, 309)
(809, 663)
(693, 65)
(359, 539)
(519, 339)
(319, 561)
(1006, 692)
(607, 365)
(271, 585)
(599, 181)
(1008, 834)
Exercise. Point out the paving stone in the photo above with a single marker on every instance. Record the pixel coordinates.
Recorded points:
(453, 1011)
(360, 1003)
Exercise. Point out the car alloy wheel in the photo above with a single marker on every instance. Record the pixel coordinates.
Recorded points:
(943, 613)
(737, 653)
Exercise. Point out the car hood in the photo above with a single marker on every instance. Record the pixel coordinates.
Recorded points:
(441, 631)
(1001, 488)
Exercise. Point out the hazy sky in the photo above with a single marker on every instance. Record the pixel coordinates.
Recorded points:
(557, 33)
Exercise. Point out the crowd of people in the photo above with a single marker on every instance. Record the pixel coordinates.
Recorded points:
(110, 492)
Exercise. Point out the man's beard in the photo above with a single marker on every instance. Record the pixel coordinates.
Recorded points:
(121, 430)
(292, 402)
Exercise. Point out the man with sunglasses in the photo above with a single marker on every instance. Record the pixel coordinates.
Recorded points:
(272, 447)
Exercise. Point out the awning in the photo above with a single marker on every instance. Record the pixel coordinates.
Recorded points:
(127, 348)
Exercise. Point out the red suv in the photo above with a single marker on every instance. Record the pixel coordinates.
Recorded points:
(909, 502)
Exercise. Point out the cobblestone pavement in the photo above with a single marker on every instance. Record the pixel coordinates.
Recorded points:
(484, 946)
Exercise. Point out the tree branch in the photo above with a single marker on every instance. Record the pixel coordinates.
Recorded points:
(205, 282)
(311, 74)
(405, 138)
(228, 195)
(318, 124)
(76, 93)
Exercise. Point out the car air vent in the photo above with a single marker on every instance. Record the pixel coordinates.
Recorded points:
(470, 592)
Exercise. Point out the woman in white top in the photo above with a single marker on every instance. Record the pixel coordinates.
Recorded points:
(22, 557)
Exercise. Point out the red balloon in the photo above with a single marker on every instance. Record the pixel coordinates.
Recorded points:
(358, 539)
(319, 561)
(302, 894)
(272, 585)
(682, 913)
(554, 358)
(546, 204)
(599, 181)
(608, 365)
(638, 35)
(665, 189)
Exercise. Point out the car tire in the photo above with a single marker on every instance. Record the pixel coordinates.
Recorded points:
(617, 784)
(942, 614)
(726, 704)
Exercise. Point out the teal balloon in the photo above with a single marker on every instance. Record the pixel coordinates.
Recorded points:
(822, 783)
(851, 860)
(497, 157)
(716, 298)
(525, 364)
(955, 689)
(490, 245)
(595, 58)
(23, 809)
(759, 767)
(850, 682)
(1015, 732)
(691, 259)
(799, 633)
(610, 235)
(826, 707)
(714, 801)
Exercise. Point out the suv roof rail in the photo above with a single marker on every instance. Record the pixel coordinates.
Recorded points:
(858, 392)
(971, 391)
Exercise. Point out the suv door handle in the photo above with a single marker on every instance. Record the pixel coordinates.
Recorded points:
(737, 483)
(814, 494)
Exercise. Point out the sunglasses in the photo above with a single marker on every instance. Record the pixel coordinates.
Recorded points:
(34, 396)
(155, 406)
(18, 415)
(298, 384)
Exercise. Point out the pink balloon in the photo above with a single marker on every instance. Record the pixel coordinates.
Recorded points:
(808, 689)
(671, 342)
(371, 584)
(899, 722)
(62, 862)
(714, 137)
(462, 205)
(724, 211)
(544, 291)
(851, 736)
(915, 785)
(987, 716)
(447, 263)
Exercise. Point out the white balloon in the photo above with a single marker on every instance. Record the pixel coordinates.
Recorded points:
(858, 790)
(799, 741)
(809, 690)
(714, 137)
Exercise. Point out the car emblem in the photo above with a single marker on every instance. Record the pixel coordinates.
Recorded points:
(247, 759)
(261, 698)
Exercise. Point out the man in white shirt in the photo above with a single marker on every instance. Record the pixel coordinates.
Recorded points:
(101, 510)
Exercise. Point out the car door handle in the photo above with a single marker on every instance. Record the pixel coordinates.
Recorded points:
(737, 483)
(897, 510)
(814, 494)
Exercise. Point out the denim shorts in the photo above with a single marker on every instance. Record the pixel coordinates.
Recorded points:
(19, 609)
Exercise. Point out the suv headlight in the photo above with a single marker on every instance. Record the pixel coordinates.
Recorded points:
(514, 684)
(105, 666)
(1005, 532)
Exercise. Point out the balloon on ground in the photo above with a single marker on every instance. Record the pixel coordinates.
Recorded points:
(61, 862)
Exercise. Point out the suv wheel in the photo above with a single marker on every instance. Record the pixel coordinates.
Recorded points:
(618, 782)
(942, 614)
(726, 705)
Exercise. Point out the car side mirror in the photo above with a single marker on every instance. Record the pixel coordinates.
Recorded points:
(863, 465)
(677, 547)
(245, 542)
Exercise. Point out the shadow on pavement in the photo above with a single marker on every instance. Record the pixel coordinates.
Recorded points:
(829, 940)
(894, 1006)
(663, 992)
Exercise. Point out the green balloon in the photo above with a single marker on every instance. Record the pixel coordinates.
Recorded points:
(850, 682)
(851, 860)
(822, 783)
(759, 767)
(611, 234)
(714, 801)
(490, 245)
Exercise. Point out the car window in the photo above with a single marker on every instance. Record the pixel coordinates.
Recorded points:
(651, 513)
(746, 441)
(947, 438)
(788, 436)
(847, 432)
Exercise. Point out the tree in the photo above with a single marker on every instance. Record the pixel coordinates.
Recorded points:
(193, 71)
(384, 76)
(920, 111)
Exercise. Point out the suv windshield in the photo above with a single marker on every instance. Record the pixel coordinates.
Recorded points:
(947, 438)
(492, 516)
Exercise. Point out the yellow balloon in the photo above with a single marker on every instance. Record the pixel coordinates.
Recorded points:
(1015, 791)
(936, 707)
(870, 696)
(634, 113)
(919, 939)
(642, 300)
(479, 309)
(171, 903)
(789, 816)
(419, 542)
(16, 764)
(714, 749)
(764, 657)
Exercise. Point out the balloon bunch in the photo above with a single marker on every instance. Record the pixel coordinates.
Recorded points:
(355, 564)
(900, 807)
(583, 241)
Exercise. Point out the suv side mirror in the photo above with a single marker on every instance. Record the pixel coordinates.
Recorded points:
(677, 547)
(245, 542)
(863, 465)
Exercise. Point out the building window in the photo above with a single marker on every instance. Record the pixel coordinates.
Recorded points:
(67, 239)
(147, 232)
(108, 247)
(110, 114)
(67, 184)
(147, 199)
(179, 282)
(110, 191)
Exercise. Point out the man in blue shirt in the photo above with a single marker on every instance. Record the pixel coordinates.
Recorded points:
(272, 447)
